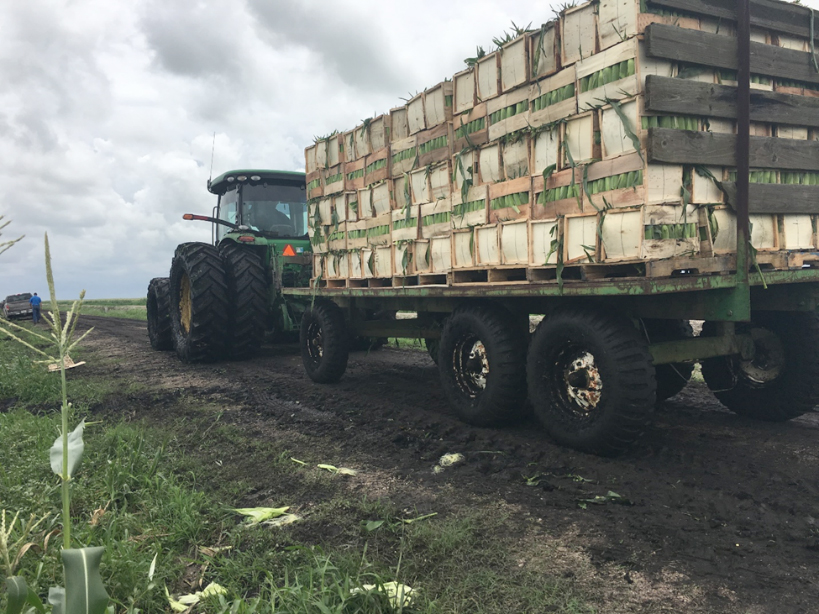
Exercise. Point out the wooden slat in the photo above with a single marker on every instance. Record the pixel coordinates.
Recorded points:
(696, 47)
(715, 149)
(780, 16)
(777, 198)
(681, 96)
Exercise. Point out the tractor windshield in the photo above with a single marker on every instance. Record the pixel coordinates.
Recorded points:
(277, 210)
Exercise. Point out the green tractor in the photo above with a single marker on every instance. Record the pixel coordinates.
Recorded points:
(222, 299)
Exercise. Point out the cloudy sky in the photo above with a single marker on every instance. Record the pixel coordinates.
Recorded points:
(108, 110)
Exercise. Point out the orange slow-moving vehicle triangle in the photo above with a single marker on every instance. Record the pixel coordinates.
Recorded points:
(289, 251)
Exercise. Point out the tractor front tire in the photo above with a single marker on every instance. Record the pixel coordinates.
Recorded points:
(247, 300)
(482, 367)
(158, 306)
(324, 342)
(199, 303)
(591, 380)
(781, 381)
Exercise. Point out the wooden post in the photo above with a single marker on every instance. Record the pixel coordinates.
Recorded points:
(742, 148)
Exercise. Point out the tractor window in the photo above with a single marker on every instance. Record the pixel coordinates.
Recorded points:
(278, 210)
(228, 209)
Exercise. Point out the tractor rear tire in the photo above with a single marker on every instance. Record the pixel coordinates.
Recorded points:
(247, 300)
(671, 378)
(324, 342)
(781, 382)
(158, 306)
(591, 380)
(199, 303)
(482, 366)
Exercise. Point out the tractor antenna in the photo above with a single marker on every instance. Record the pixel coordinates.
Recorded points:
(212, 150)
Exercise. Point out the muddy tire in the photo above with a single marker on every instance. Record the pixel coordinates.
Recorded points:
(591, 381)
(671, 378)
(480, 360)
(781, 381)
(158, 306)
(199, 303)
(247, 300)
(324, 342)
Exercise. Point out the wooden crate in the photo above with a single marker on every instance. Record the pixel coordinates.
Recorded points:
(405, 224)
(440, 181)
(318, 265)
(399, 124)
(614, 137)
(545, 149)
(544, 241)
(438, 104)
(580, 239)
(401, 192)
(490, 168)
(544, 52)
(514, 242)
(618, 20)
(321, 153)
(618, 72)
(336, 265)
(621, 234)
(310, 163)
(683, 240)
(349, 202)
(337, 239)
(365, 203)
(377, 262)
(403, 258)
(357, 234)
(514, 64)
(318, 240)
(363, 146)
(797, 43)
(378, 230)
(315, 187)
(627, 181)
(487, 82)
(580, 139)
(464, 166)
(326, 206)
(553, 98)
(434, 256)
(381, 197)
(463, 248)
(798, 232)
(764, 231)
(470, 129)
(704, 190)
(435, 144)
(333, 179)
(379, 128)
(335, 150)
(356, 264)
(416, 117)
(508, 113)
(377, 166)
(403, 156)
(436, 218)
(792, 132)
(487, 245)
(510, 200)
(354, 175)
(474, 211)
(516, 155)
(419, 186)
(578, 33)
(463, 91)
(348, 144)
(561, 195)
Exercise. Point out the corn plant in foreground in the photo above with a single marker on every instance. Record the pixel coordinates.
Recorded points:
(84, 591)
(4, 245)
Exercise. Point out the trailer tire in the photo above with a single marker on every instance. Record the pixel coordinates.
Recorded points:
(591, 381)
(671, 378)
(158, 307)
(324, 342)
(480, 360)
(198, 303)
(781, 382)
(247, 300)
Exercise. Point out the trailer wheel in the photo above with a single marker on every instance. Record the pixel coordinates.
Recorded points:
(158, 306)
(324, 342)
(781, 381)
(671, 378)
(199, 303)
(480, 359)
(591, 381)
(247, 300)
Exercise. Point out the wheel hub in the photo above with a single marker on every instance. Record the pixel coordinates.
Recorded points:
(768, 361)
(472, 365)
(583, 382)
(315, 343)
(185, 310)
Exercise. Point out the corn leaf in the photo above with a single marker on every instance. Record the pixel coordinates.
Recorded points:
(260, 514)
(84, 591)
(635, 141)
(75, 450)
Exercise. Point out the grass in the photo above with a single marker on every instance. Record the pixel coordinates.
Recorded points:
(166, 487)
(131, 308)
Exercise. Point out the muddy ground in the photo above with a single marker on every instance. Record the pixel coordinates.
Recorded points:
(723, 510)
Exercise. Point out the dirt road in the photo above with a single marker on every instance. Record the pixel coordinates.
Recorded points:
(720, 512)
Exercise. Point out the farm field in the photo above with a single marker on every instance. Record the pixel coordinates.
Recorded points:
(708, 513)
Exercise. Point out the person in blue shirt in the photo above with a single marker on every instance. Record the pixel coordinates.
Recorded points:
(35, 308)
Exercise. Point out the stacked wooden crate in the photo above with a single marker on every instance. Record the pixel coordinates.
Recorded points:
(604, 139)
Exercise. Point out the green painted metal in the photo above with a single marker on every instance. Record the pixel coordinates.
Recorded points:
(699, 348)
(221, 183)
